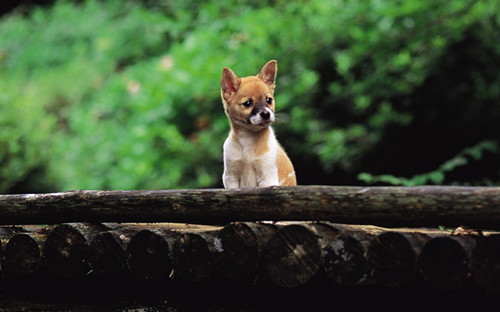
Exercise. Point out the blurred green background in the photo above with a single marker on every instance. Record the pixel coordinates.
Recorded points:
(126, 94)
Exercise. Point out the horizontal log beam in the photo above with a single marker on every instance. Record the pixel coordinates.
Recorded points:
(387, 206)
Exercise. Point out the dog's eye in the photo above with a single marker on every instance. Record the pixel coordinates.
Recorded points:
(269, 100)
(248, 103)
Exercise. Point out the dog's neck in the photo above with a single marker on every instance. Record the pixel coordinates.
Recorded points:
(252, 142)
(242, 131)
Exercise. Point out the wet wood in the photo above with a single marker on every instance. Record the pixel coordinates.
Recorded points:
(388, 206)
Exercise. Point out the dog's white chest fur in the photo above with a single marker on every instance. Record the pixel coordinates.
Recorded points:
(243, 167)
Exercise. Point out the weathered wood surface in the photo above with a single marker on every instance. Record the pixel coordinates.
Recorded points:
(285, 254)
(293, 256)
(393, 256)
(240, 246)
(194, 258)
(387, 206)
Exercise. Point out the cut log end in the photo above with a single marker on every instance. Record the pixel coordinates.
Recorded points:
(21, 256)
(392, 257)
(292, 256)
(344, 261)
(66, 252)
(240, 245)
(485, 262)
(149, 257)
(192, 259)
(108, 255)
(444, 263)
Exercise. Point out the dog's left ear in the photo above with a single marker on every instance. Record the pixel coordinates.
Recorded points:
(229, 82)
(268, 73)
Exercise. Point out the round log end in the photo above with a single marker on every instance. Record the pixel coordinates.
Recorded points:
(240, 246)
(149, 256)
(192, 259)
(391, 258)
(444, 263)
(485, 262)
(66, 252)
(292, 256)
(21, 256)
(344, 261)
(107, 254)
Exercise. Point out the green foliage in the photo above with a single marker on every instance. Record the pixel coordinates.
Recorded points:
(125, 94)
(436, 176)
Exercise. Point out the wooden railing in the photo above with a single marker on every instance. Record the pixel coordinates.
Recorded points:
(388, 206)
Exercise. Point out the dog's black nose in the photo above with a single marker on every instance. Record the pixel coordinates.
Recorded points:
(265, 115)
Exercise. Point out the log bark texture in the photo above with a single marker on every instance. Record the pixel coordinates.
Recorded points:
(389, 206)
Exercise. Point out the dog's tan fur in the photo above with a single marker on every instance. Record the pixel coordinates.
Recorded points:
(252, 155)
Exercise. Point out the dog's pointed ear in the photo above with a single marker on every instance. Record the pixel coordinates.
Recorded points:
(268, 73)
(229, 82)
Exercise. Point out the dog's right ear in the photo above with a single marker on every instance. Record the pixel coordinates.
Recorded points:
(229, 82)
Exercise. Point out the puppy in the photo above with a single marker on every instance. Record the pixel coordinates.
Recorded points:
(252, 155)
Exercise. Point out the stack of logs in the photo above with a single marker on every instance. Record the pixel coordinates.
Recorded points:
(289, 255)
(99, 236)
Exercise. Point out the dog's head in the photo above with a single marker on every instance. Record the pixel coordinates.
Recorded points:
(249, 101)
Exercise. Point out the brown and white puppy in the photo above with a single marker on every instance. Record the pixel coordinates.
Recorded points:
(252, 155)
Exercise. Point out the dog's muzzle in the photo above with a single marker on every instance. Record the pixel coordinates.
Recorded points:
(261, 116)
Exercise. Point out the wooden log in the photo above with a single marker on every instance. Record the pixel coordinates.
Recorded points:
(485, 263)
(445, 261)
(344, 260)
(149, 257)
(240, 245)
(23, 251)
(193, 258)
(393, 206)
(392, 256)
(108, 255)
(22, 256)
(106, 251)
(293, 255)
(66, 252)
(103, 250)
(140, 262)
